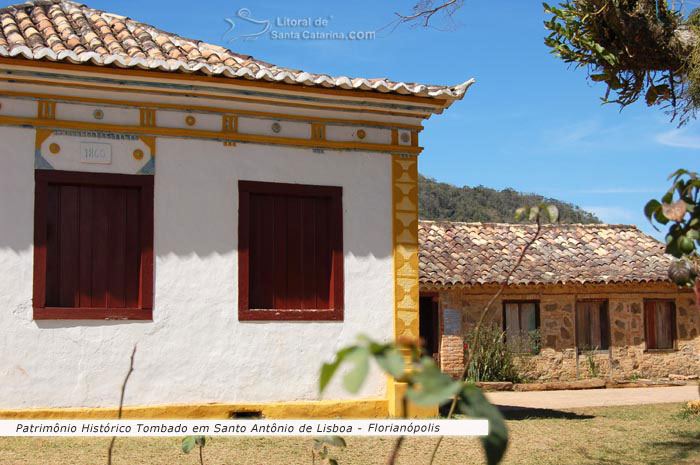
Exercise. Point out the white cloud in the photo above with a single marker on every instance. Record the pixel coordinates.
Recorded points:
(613, 215)
(679, 138)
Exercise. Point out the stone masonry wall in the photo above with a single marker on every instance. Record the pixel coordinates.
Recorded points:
(558, 358)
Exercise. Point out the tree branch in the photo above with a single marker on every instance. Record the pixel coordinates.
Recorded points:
(121, 404)
(424, 10)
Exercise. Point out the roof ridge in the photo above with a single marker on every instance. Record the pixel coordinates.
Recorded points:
(163, 51)
(524, 225)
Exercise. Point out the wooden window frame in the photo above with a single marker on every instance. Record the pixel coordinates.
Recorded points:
(520, 302)
(144, 311)
(605, 302)
(336, 296)
(674, 323)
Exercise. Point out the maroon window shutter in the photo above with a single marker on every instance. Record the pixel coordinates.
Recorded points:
(95, 234)
(650, 324)
(290, 252)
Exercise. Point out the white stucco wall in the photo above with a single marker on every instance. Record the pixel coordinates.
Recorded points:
(195, 349)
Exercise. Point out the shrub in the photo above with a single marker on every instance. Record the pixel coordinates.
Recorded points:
(493, 359)
(526, 343)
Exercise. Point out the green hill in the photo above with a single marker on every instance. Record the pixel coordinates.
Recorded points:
(442, 201)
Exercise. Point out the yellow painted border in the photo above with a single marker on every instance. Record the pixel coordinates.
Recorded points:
(206, 109)
(202, 134)
(404, 175)
(362, 408)
(191, 93)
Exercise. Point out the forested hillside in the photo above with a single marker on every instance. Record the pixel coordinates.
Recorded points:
(442, 201)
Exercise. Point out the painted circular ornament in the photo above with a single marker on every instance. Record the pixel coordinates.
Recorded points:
(405, 138)
(190, 120)
(138, 154)
(98, 114)
(361, 134)
(276, 127)
(54, 148)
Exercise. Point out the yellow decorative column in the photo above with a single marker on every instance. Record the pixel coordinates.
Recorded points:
(406, 292)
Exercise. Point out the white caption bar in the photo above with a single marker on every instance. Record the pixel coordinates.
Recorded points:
(244, 427)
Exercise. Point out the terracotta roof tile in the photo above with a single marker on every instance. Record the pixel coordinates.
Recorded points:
(483, 253)
(63, 30)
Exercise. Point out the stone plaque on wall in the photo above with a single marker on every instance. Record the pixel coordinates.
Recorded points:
(452, 322)
(93, 152)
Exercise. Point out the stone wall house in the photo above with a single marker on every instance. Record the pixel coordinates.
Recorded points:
(591, 294)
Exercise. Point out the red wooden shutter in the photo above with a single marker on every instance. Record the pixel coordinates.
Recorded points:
(93, 253)
(650, 324)
(93, 257)
(290, 255)
(290, 251)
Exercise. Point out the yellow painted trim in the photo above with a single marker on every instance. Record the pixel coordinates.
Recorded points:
(46, 110)
(227, 81)
(229, 123)
(202, 134)
(150, 142)
(414, 138)
(41, 136)
(318, 131)
(148, 117)
(363, 408)
(404, 175)
(207, 109)
(191, 93)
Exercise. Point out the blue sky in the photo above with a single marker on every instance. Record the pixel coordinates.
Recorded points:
(530, 122)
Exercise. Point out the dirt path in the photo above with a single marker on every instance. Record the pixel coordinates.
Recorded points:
(595, 397)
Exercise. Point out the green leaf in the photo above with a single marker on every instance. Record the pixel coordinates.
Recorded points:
(329, 369)
(534, 213)
(355, 378)
(188, 444)
(336, 441)
(553, 213)
(392, 362)
(473, 403)
(651, 207)
(432, 387)
(659, 216)
(520, 212)
(201, 441)
(599, 77)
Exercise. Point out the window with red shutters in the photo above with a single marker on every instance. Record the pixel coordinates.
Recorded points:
(290, 252)
(660, 324)
(93, 252)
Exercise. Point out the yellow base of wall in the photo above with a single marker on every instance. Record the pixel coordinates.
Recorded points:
(365, 408)
(396, 393)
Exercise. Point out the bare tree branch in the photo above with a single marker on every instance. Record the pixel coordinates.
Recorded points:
(424, 10)
(121, 404)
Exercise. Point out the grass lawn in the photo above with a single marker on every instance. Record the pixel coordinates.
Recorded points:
(650, 434)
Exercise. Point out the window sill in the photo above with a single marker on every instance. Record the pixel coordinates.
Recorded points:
(661, 351)
(290, 315)
(65, 313)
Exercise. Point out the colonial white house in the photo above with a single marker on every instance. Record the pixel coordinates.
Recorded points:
(237, 221)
